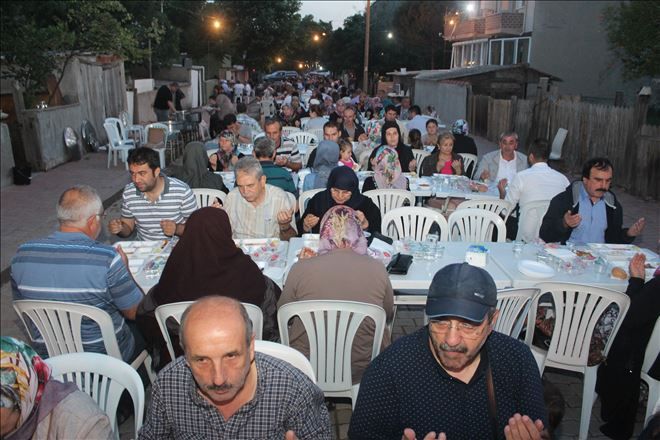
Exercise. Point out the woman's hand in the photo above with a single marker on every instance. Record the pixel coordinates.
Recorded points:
(310, 221)
(364, 223)
(456, 165)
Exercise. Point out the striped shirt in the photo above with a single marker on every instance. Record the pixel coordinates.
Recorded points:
(248, 221)
(176, 203)
(289, 149)
(71, 267)
(285, 399)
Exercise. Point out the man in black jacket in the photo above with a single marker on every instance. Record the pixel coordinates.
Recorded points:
(588, 212)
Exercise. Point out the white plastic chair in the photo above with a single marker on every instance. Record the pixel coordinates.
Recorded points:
(204, 132)
(206, 196)
(168, 141)
(318, 132)
(104, 379)
(288, 130)
(116, 145)
(558, 143)
(420, 155)
(331, 327)
(302, 137)
(531, 217)
(652, 351)
(158, 139)
(513, 305)
(305, 196)
(468, 159)
(578, 309)
(413, 222)
(303, 121)
(475, 225)
(308, 153)
(175, 311)
(498, 206)
(388, 199)
(123, 130)
(59, 324)
(288, 354)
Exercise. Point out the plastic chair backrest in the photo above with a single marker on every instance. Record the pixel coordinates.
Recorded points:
(578, 309)
(104, 379)
(331, 327)
(318, 132)
(175, 310)
(204, 133)
(308, 153)
(59, 324)
(499, 207)
(558, 143)
(156, 135)
(420, 155)
(650, 356)
(413, 222)
(388, 199)
(513, 305)
(206, 196)
(302, 137)
(531, 217)
(304, 198)
(468, 159)
(303, 121)
(121, 128)
(114, 138)
(475, 225)
(286, 131)
(288, 354)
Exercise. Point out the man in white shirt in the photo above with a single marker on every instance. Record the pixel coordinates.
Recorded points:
(417, 120)
(537, 183)
(238, 91)
(256, 209)
(504, 163)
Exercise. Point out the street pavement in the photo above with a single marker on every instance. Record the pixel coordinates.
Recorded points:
(28, 212)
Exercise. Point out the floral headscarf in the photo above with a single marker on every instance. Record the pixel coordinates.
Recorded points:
(460, 126)
(23, 375)
(387, 171)
(340, 229)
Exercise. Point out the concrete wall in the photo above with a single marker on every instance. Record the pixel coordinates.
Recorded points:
(569, 41)
(43, 134)
(6, 157)
(449, 100)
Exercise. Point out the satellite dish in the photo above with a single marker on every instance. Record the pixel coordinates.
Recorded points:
(89, 138)
(71, 143)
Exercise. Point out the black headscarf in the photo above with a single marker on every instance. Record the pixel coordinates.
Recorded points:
(345, 179)
(405, 152)
(383, 138)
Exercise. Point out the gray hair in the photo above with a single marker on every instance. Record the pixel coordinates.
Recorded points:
(249, 165)
(509, 133)
(217, 298)
(264, 147)
(77, 204)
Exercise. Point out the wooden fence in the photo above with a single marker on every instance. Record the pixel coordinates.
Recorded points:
(594, 130)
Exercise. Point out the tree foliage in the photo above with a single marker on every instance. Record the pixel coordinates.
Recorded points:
(633, 33)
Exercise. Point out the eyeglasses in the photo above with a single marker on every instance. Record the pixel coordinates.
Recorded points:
(466, 330)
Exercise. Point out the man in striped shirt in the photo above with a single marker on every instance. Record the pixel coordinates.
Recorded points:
(286, 150)
(157, 205)
(71, 266)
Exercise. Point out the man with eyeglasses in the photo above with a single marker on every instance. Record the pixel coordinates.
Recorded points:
(70, 265)
(455, 378)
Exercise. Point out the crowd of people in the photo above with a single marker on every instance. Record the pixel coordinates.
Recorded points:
(435, 382)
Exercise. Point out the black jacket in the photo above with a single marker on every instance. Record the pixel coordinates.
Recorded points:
(553, 229)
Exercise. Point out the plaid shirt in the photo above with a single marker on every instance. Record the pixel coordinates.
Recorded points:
(285, 399)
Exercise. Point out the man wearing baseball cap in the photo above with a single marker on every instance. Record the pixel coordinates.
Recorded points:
(455, 378)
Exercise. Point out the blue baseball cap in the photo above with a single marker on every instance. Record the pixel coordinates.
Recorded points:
(462, 291)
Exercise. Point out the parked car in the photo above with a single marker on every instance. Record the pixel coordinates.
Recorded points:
(281, 75)
(323, 73)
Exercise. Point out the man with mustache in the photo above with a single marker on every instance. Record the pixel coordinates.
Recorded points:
(455, 378)
(588, 212)
(223, 389)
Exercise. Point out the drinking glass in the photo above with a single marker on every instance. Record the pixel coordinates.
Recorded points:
(431, 245)
(518, 247)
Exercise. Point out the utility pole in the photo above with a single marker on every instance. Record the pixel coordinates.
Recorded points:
(365, 73)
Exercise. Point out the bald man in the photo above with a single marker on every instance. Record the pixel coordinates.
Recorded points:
(222, 389)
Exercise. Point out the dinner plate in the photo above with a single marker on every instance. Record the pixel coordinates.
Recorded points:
(535, 269)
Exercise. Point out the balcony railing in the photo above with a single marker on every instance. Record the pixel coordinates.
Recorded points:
(465, 29)
(504, 23)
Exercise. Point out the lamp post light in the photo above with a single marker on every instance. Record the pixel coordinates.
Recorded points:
(216, 25)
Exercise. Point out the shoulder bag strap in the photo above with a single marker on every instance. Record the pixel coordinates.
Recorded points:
(492, 405)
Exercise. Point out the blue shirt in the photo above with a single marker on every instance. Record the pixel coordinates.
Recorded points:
(71, 267)
(594, 220)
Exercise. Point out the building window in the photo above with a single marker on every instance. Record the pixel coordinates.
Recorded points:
(506, 51)
(469, 53)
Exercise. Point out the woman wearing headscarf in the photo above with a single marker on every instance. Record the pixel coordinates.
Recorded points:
(206, 262)
(387, 172)
(195, 169)
(35, 406)
(327, 156)
(464, 143)
(341, 271)
(342, 189)
(391, 137)
(225, 158)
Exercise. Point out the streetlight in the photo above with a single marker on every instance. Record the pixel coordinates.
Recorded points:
(216, 24)
(390, 35)
(279, 60)
(316, 37)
